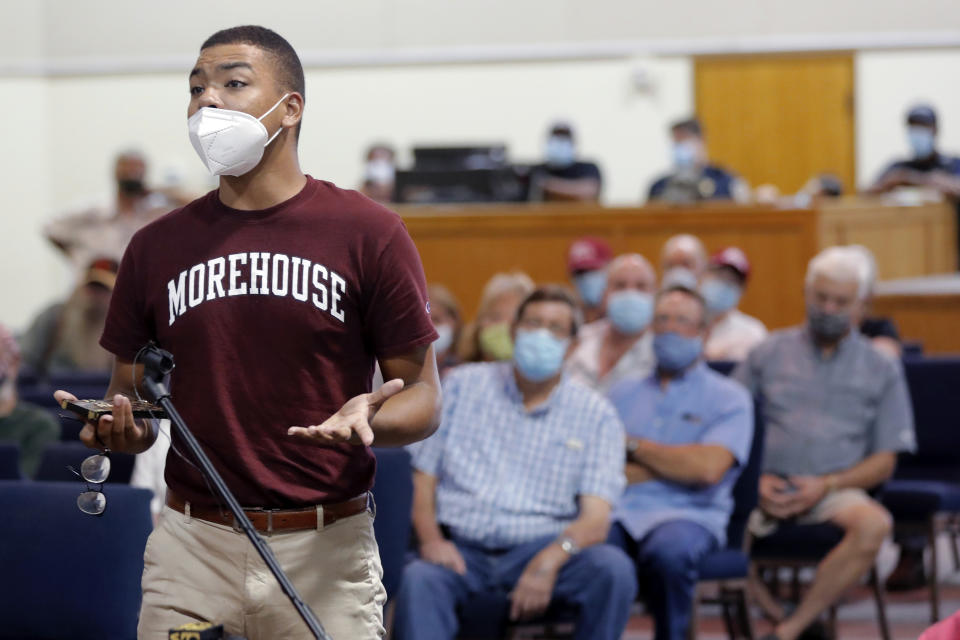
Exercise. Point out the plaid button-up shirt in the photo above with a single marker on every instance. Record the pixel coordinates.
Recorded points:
(505, 475)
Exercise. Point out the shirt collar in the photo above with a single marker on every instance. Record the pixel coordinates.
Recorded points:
(688, 375)
(512, 391)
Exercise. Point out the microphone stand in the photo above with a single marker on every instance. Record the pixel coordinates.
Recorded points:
(157, 365)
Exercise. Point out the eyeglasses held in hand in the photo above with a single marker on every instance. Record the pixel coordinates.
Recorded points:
(93, 470)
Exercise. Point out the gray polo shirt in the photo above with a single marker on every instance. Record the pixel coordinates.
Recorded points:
(826, 415)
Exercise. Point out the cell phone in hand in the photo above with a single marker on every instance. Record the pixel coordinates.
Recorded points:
(93, 410)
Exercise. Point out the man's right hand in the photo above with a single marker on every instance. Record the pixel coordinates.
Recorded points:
(444, 553)
(119, 432)
(775, 497)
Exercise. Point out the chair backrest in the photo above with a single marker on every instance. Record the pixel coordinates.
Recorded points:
(747, 488)
(933, 384)
(10, 461)
(723, 367)
(59, 455)
(393, 492)
(67, 574)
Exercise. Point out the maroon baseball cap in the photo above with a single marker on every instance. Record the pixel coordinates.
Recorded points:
(732, 257)
(587, 254)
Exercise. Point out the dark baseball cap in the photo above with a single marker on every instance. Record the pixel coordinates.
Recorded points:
(922, 114)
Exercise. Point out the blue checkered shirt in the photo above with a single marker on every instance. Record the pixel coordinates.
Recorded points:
(505, 475)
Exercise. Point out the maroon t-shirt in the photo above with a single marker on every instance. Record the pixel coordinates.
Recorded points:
(274, 319)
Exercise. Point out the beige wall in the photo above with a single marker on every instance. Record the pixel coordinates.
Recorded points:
(76, 88)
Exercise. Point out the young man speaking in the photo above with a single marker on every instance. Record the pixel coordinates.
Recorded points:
(276, 294)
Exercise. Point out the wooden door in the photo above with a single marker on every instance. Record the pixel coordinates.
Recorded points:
(779, 119)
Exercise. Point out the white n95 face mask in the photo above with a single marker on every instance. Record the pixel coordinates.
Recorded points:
(230, 143)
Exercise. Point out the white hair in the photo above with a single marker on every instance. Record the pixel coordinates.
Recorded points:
(867, 262)
(842, 264)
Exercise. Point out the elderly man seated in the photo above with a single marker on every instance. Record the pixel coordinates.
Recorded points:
(513, 493)
(619, 345)
(689, 431)
(836, 414)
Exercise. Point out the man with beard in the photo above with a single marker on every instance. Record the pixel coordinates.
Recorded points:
(65, 336)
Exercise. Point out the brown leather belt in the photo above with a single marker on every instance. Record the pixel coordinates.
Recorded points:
(271, 520)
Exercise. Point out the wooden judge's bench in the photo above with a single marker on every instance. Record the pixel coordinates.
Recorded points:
(463, 245)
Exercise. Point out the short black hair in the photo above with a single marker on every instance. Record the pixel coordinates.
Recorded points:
(554, 293)
(687, 291)
(288, 62)
(690, 125)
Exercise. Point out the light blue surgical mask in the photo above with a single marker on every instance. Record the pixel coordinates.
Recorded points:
(630, 311)
(921, 141)
(560, 151)
(591, 285)
(720, 296)
(675, 352)
(538, 354)
(684, 155)
(444, 338)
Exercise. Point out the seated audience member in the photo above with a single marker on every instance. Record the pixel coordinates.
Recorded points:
(682, 262)
(732, 333)
(445, 313)
(21, 423)
(379, 173)
(488, 337)
(693, 178)
(619, 345)
(689, 431)
(106, 231)
(881, 331)
(587, 260)
(836, 414)
(65, 337)
(563, 176)
(928, 167)
(513, 493)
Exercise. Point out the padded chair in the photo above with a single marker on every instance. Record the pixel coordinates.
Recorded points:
(393, 493)
(10, 461)
(924, 494)
(59, 455)
(800, 546)
(68, 574)
(725, 572)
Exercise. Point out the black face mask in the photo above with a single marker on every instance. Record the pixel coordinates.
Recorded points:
(131, 187)
(829, 327)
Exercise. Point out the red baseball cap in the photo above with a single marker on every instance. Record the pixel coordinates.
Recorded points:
(732, 257)
(587, 254)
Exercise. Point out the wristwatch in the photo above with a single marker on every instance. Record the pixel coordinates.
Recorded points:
(632, 445)
(569, 545)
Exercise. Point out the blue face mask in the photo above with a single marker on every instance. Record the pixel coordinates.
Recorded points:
(591, 285)
(719, 295)
(560, 151)
(444, 338)
(630, 311)
(921, 141)
(538, 354)
(675, 352)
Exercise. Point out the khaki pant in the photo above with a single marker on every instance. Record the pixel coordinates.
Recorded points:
(198, 571)
(762, 524)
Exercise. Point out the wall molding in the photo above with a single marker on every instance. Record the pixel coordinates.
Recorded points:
(487, 54)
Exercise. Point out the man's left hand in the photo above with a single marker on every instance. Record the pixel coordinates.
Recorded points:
(534, 589)
(810, 491)
(352, 423)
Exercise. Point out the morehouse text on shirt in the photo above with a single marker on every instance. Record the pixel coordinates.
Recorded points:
(257, 273)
